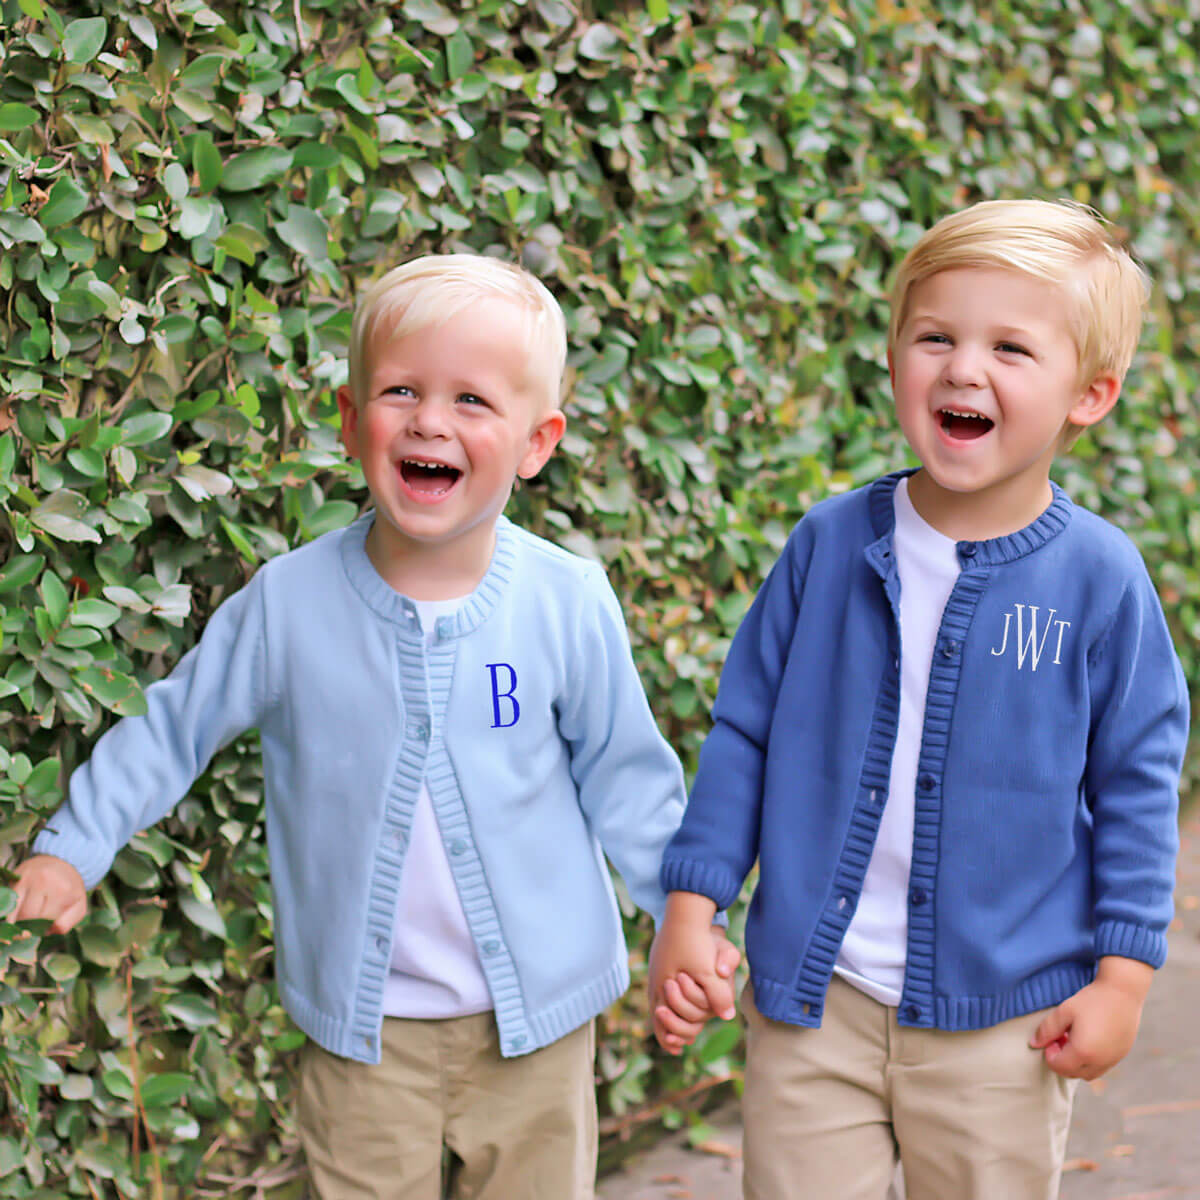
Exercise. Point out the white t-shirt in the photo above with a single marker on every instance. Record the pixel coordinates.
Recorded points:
(874, 950)
(435, 969)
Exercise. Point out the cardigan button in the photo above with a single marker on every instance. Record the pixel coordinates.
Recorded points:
(949, 648)
(457, 847)
(519, 1041)
(912, 1012)
(919, 896)
(927, 783)
(491, 946)
(968, 549)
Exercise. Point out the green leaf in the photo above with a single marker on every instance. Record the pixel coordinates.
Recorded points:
(161, 1091)
(600, 42)
(112, 689)
(66, 201)
(254, 168)
(99, 945)
(206, 162)
(333, 514)
(60, 516)
(76, 1087)
(11, 1156)
(61, 967)
(240, 542)
(304, 231)
(175, 181)
(460, 54)
(55, 597)
(143, 29)
(145, 427)
(43, 779)
(19, 570)
(21, 228)
(315, 155)
(14, 117)
(87, 461)
(84, 39)
(95, 614)
(203, 915)
(191, 1011)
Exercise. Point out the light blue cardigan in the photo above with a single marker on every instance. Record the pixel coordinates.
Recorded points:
(527, 719)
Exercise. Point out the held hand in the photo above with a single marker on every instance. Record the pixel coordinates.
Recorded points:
(49, 889)
(691, 971)
(1091, 1031)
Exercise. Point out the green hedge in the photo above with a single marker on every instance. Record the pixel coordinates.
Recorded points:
(717, 193)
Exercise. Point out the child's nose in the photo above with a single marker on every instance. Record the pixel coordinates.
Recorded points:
(428, 419)
(964, 368)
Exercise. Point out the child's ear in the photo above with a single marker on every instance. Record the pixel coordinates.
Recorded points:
(545, 436)
(1097, 400)
(349, 411)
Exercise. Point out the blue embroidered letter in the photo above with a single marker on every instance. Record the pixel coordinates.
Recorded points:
(498, 695)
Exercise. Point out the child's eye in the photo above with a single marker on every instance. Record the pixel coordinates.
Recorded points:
(939, 339)
(471, 398)
(399, 389)
(1012, 348)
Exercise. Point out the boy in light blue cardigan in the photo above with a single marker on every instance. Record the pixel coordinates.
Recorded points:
(950, 731)
(454, 737)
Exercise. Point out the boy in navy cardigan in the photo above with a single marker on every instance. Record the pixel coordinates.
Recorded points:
(454, 738)
(950, 730)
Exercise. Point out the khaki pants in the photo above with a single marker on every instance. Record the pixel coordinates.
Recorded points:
(972, 1116)
(518, 1128)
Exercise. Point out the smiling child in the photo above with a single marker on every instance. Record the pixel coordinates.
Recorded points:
(454, 736)
(950, 731)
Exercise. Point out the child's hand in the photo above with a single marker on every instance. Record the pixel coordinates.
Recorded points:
(49, 889)
(1091, 1031)
(691, 971)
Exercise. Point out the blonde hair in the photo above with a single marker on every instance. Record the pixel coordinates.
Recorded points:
(428, 291)
(1063, 243)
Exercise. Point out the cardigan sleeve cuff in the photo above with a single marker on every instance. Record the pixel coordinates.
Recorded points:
(91, 863)
(1131, 941)
(705, 879)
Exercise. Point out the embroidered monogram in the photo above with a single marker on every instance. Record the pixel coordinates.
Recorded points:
(514, 709)
(1030, 640)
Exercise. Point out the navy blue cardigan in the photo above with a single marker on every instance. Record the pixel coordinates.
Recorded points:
(1047, 784)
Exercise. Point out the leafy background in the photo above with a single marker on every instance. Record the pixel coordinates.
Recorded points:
(717, 192)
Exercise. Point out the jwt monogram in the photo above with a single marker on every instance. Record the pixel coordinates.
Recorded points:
(1030, 642)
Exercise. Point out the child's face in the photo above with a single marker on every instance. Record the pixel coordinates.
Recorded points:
(985, 375)
(449, 420)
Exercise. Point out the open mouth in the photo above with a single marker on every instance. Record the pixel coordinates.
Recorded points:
(963, 424)
(428, 478)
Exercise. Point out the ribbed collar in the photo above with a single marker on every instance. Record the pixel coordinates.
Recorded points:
(993, 551)
(388, 603)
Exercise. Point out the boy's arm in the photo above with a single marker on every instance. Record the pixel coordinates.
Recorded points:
(144, 765)
(629, 780)
(717, 842)
(1138, 736)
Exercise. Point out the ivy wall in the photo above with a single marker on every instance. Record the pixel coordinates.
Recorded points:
(717, 192)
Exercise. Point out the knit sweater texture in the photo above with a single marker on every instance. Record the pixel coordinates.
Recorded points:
(1047, 783)
(525, 716)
